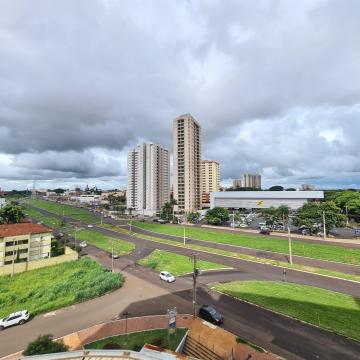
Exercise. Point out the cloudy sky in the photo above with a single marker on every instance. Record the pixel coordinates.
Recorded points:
(274, 84)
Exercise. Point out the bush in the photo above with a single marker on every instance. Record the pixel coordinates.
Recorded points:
(44, 344)
(217, 216)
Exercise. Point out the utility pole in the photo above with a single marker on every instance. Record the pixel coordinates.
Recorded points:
(347, 218)
(194, 284)
(75, 236)
(290, 250)
(184, 228)
(233, 220)
(324, 226)
(112, 255)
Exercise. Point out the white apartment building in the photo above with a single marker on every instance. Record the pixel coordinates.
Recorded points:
(252, 180)
(148, 178)
(187, 163)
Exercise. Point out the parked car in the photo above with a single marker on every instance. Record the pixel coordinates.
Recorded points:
(17, 318)
(114, 255)
(166, 276)
(90, 226)
(162, 221)
(210, 314)
(83, 244)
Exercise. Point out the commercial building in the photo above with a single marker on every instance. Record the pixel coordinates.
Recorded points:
(210, 177)
(237, 183)
(262, 199)
(307, 187)
(252, 180)
(148, 178)
(187, 163)
(24, 242)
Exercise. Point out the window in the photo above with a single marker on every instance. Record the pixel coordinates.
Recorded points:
(9, 253)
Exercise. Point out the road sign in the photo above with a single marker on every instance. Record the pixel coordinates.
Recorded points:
(171, 313)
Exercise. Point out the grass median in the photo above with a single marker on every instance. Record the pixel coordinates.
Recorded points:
(236, 255)
(177, 265)
(327, 309)
(66, 210)
(299, 248)
(54, 287)
(103, 242)
(44, 219)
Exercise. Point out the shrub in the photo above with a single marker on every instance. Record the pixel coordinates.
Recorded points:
(44, 344)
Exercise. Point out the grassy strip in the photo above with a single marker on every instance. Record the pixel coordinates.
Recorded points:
(135, 341)
(300, 248)
(66, 210)
(310, 269)
(44, 219)
(177, 265)
(54, 287)
(327, 309)
(121, 247)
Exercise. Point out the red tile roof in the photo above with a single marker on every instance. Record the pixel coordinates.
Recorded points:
(22, 229)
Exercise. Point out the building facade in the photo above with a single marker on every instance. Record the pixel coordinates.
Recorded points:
(2, 202)
(148, 178)
(24, 242)
(252, 180)
(263, 199)
(210, 177)
(187, 163)
(237, 183)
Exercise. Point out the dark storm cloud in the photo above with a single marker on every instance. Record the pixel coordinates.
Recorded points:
(275, 85)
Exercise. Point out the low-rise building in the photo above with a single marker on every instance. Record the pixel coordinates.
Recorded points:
(2, 202)
(24, 242)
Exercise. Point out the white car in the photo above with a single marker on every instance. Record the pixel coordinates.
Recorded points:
(83, 244)
(17, 318)
(166, 276)
(90, 226)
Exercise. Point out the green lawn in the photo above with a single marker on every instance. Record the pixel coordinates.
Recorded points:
(135, 341)
(330, 310)
(46, 220)
(300, 248)
(121, 247)
(54, 287)
(61, 209)
(176, 264)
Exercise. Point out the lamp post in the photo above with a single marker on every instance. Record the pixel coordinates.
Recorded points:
(126, 314)
(290, 250)
(324, 226)
(112, 255)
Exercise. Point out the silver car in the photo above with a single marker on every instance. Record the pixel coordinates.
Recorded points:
(17, 318)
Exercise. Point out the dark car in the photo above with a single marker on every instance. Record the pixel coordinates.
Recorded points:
(210, 314)
(264, 231)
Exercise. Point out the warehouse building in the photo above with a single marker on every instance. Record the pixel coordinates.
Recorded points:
(262, 199)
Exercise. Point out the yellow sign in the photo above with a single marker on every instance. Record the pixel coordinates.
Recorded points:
(260, 203)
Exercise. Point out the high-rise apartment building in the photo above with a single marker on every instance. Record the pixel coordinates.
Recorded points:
(252, 180)
(210, 177)
(237, 183)
(187, 163)
(148, 178)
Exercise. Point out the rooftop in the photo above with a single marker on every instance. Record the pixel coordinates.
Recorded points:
(22, 229)
(269, 194)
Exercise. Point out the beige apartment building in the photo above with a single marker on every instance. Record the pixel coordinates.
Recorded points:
(24, 242)
(210, 175)
(252, 180)
(187, 163)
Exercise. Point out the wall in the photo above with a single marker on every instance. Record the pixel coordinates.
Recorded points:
(36, 264)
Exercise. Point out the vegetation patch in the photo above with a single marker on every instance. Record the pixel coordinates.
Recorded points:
(54, 287)
(135, 341)
(65, 210)
(44, 219)
(330, 310)
(121, 247)
(300, 248)
(177, 265)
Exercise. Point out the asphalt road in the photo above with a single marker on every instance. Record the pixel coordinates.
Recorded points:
(145, 294)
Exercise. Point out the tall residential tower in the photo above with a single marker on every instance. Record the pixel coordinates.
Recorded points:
(148, 178)
(210, 175)
(187, 163)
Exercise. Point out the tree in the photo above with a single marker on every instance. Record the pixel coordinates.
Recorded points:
(276, 188)
(44, 344)
(348, 201)
(11, 213)
(167, 210)
(217, 216)
(290, 189)
(193, 217)
(120, 208)
(270, 216)
(283, 212)
(311, 216)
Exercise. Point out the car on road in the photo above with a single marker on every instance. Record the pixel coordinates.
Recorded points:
(90, 226)
(162, 221)
(17, 318)
(114, 255)
(210, 314)
(83, 244)
(264, 230)
(166, 276)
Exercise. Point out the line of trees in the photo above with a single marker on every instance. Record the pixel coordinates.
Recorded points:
(11, 213)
